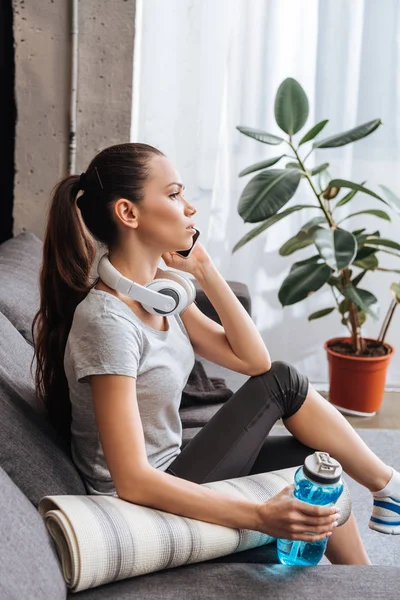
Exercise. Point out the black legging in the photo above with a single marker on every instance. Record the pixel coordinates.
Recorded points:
(234, 442)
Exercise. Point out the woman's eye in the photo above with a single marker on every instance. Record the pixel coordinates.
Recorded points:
(176, 194)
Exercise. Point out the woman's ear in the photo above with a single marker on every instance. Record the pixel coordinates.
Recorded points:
(127, 212)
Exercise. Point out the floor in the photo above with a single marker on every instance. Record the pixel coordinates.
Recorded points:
(387, 418)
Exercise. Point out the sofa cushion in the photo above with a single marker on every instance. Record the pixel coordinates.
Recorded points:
(15, 362)
(197, 416)
(252, 582)
(20, 261)
(240, 290)
(29, 566)
(30, 451)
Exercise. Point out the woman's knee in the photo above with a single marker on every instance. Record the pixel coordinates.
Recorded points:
(287, 385)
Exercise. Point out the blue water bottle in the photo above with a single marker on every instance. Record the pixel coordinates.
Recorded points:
(318, 481)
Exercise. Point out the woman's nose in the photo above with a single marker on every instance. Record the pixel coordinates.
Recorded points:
(192, 209)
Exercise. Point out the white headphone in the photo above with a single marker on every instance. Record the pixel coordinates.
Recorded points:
(168, 295)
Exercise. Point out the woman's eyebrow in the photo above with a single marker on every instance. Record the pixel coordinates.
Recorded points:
(176, 183)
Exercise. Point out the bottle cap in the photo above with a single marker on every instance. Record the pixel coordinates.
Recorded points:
(322, 468)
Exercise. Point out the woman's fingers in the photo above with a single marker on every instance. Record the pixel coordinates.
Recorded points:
(315, 511)
(309, 527)
(305, 537)
(318, 521)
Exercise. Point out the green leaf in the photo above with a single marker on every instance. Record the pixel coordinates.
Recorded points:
(303, 238)
(293, 165)
(313, 259)
(302, 281)
(378, 241)
(260, 136)
(359, 277)
(291, 106)
(343, 183)
(335, 282)
(377, 213)
(344, 306)
(261, 165)
(319, 169)
(321, 313)
(352, 135)
(395, 287)
(295, 243)
(268, 223)
(396, 254)
(310, 226)
(362, 317)
(363, 299)
(370, 263)
(391, 198)
(364, 236)
(337, 247)
(314, 131)
(323, 180)
(358, 232)
(348, 197)
(266, 193)
(364, 253)
(388, 270)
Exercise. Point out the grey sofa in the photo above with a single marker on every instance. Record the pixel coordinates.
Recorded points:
(34, 463)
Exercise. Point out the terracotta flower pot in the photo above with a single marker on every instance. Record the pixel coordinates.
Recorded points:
(357, 383)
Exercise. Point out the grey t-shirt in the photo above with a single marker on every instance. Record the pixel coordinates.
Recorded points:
(106, 336)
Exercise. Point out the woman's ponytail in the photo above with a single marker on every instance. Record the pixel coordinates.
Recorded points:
(68, 254)
(69, 251)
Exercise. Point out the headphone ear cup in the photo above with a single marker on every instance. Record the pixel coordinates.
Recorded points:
(172, 288)
(185, 282)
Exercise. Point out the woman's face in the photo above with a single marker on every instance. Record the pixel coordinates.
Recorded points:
(165, 214)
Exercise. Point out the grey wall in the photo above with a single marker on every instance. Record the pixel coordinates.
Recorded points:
(42, 88)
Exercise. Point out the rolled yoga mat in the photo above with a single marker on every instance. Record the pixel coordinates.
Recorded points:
(100, 539)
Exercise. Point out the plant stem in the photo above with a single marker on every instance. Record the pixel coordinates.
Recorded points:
(338, 307)
(387, 321)
(328, 217)
(307, 155)
(358, 342)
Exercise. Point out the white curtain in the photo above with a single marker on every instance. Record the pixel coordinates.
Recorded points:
(202, 67)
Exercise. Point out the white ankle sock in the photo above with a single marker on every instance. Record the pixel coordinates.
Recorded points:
(392, 488)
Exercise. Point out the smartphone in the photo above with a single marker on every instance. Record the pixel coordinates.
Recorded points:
(186, 253)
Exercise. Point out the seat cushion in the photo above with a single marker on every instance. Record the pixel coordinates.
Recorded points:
(197, 416)
(29, 566)
(253, 581)
(30, 451)
(16, 356)
(20, 261)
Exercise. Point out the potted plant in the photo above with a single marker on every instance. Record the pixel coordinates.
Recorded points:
(339, 257)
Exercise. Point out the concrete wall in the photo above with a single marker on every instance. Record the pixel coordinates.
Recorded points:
(42, 88)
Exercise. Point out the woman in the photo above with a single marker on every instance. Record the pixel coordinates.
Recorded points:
(111, 373)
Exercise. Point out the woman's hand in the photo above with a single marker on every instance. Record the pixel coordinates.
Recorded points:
(284, 516)
(198, 260)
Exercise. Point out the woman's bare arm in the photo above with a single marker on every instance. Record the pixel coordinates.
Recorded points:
(240, 335)
(121, 434)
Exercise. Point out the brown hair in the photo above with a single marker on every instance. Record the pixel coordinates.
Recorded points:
(69, 251)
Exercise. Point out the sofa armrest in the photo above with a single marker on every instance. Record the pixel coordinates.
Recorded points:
(240, 290)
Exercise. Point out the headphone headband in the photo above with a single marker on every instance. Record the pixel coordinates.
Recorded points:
(113, 278)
